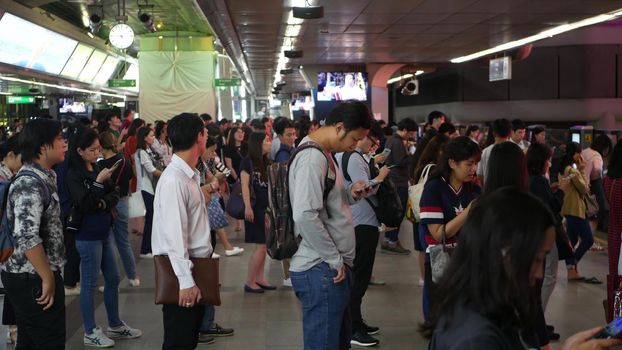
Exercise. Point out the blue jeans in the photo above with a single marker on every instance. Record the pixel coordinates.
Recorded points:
(121, 238)
(145, 246)
(96, 255)
(325, 315)
(578, 228)
(208, 318)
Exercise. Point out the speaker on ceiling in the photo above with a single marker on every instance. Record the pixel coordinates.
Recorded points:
(410, 87)
(293, 53)
(311, 12)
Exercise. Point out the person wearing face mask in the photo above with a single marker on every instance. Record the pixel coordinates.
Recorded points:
(400, 159)
(484, 299)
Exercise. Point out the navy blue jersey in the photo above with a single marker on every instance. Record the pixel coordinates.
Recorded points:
(440, 203)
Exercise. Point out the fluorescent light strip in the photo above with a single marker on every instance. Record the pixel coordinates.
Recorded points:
(405, 76)
(542, 35)
(6, 93)
(61, 87)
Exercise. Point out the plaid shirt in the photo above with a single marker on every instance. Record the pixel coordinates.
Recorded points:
(33, 223)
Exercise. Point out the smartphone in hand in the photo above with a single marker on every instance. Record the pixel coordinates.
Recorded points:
(612, 330)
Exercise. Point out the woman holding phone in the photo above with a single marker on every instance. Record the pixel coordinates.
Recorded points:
(94, 197)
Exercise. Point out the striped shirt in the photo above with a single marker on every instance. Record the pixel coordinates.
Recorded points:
(440, 203)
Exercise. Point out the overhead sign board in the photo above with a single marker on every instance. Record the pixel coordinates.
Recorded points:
(500, 69)
(227, 82)
(115, 83)
(20, 100)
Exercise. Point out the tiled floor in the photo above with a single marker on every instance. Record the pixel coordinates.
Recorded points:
(273, 320)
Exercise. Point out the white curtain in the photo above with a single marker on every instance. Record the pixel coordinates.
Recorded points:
(175, 82)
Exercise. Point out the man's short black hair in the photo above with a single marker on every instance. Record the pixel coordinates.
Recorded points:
(447, 128)
(471, 129)
(264, 120)
(283, 124)
(435, 115)
(407, 124)
(223, 121)
(353, 114)
(375, 131)
(127, 113)
(518, 124)
(36, 134)
(183, 131)
(10, 145)
(257, 124)
(501, 127)
(206, 117)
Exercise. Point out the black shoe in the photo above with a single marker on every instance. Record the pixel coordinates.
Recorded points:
(218, 331)
(371, 330)
(552, 335)
(265, 287)
(550, 328)
(206, 339)
(361, 339)
(248, 289)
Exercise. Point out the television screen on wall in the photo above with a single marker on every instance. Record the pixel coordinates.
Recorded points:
(28, 45)
(342, 86)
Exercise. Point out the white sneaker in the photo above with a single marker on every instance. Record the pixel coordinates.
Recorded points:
(146, 256)
(134, 282)
(98, 339)
(287, 282)
(124, 332)
(234, 251)
(215, 256)
(421, 283)
(71, 291)
(100, 289)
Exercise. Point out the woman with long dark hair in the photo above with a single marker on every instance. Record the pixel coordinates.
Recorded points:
(253, 173)
(507, 166)
(233, 152)
(613, 191)
(446, 201)
(574, 208)
(148, 169)
(485, 297)
(160, 144)
(94, 196)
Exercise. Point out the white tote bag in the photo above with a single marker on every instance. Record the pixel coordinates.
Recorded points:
(136, 205)
(415, 191)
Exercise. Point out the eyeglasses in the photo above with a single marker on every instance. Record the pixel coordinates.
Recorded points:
(374, 141)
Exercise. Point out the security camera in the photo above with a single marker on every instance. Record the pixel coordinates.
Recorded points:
(410, 87)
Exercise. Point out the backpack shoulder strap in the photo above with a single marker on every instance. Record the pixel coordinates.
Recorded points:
(331, 174)
(48, 195)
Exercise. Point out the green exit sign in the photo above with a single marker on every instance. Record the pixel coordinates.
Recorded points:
(20, 100)
(227, 82)
(115, 83)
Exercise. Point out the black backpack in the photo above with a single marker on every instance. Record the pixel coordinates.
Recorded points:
(389, 210)
(281, 240)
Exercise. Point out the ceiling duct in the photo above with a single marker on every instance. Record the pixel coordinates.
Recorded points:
(217, 15)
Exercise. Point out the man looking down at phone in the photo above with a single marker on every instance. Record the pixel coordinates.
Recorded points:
(399, 159)
(356, 165)
(320, 269)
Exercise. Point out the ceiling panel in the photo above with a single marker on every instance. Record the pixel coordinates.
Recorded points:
(396, 31)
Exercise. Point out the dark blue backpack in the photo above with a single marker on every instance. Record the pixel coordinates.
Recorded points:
(7, 242)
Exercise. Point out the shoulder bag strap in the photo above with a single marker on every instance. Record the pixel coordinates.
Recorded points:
(120, 172)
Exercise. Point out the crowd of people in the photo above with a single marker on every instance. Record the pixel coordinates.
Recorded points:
(508, 210)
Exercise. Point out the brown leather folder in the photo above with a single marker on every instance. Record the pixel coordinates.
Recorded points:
(204, 272)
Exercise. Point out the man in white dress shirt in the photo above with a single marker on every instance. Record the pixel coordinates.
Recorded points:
(181, 228)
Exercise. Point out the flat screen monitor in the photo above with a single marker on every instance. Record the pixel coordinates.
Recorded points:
(77, 61)
(106, 71)
(28, 45)
(68, 105)
(92, 66)
(576, 137)
(342, 86)
(500, 69)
